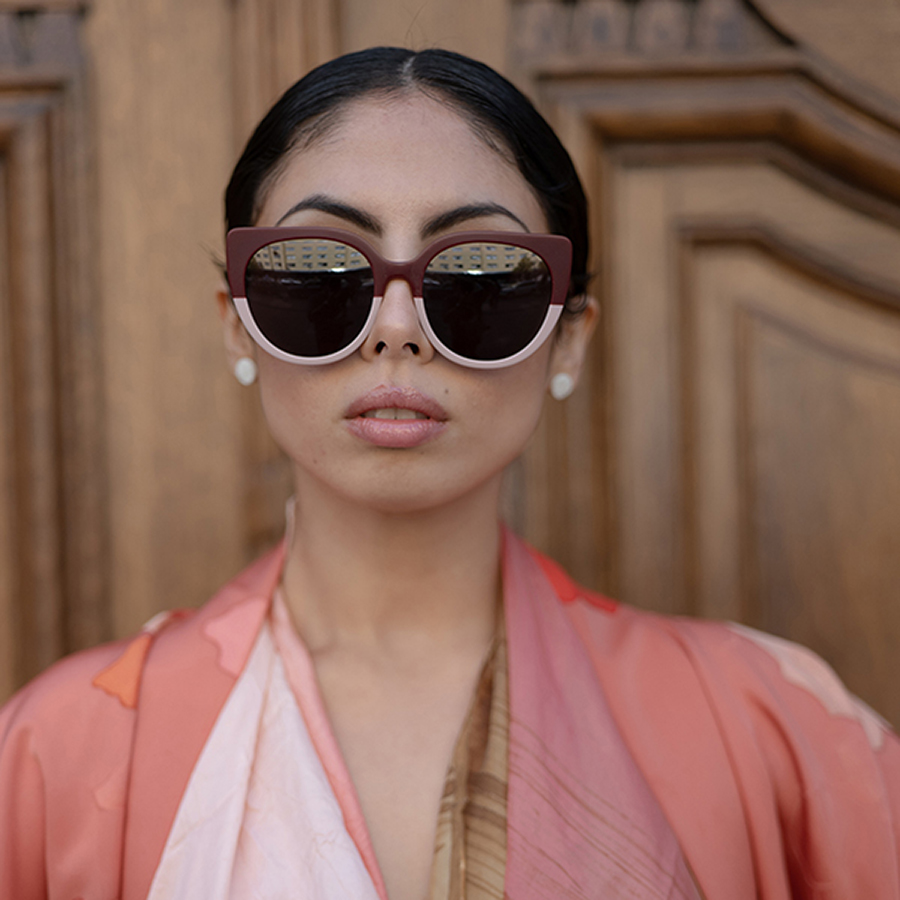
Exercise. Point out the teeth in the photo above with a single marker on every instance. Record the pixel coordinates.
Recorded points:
(393, 413)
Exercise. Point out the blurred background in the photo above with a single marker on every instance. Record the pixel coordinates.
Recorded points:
(733, 451)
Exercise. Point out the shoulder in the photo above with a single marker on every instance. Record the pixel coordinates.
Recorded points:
(56, 718)
(731, 663)
(752, 661)
(748, 679)
(65, 696)
(104, 681)
(763, 732)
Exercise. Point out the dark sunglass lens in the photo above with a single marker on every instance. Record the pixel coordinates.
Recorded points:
(309, 297)
(487, 301)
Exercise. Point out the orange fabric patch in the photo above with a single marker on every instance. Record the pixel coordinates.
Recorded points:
(567, 590)
(122, 678)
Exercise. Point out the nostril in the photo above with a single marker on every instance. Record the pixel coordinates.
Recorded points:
(381, 346)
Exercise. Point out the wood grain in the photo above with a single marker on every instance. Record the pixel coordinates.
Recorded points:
(748, 239)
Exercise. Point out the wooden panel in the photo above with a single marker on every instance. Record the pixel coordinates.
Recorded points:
(678, 432)
(747, 200)
(796, 399)
(653, 281)
(37, 532)
(274, 43)
(53, 534)
(196, 486)
(714, 270)
(164, 138)
(8, 681)
(825, 481)
(861, 36)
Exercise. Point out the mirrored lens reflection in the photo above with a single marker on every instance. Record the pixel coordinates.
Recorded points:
(487, 301)
(309, 297)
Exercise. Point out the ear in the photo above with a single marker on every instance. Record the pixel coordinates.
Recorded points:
(237, 342)
(572, 341)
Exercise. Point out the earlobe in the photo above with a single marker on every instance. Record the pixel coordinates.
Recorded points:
(238, 344)
(570, 348)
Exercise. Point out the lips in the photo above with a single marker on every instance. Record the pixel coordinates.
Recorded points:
(395, 417)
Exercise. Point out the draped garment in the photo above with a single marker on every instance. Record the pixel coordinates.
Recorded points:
(642, 749)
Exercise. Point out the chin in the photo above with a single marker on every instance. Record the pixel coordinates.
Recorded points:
(414, 494)
(402, 503)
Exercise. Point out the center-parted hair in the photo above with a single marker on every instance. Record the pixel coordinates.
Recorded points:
(499, 112)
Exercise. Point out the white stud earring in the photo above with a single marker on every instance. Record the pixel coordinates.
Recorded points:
(245, 371)
(561, 385)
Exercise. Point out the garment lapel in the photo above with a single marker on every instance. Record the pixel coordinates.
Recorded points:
(190, 671)
(582, 821)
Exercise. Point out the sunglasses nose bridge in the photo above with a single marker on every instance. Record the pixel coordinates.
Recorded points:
(397, 328)
(400, 271)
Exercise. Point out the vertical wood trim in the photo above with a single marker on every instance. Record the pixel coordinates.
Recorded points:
(7, 455)
(53, 526)
(39, 594)
(646, 433)
(274, 43)
(748, 584)
(84, 496)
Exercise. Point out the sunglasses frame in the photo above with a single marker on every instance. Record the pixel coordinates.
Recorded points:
(555, 250)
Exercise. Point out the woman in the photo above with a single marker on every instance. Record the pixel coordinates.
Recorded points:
(404, 700)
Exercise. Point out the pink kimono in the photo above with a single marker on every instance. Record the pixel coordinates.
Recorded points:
(646, 754)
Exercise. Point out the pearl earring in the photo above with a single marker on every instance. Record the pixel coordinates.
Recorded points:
(245, 371)
(561, 385)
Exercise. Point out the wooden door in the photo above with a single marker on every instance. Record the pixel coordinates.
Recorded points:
(736, 450)
(53, 531)
(134, 476)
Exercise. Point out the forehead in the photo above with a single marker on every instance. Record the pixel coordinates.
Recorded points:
(402, 157)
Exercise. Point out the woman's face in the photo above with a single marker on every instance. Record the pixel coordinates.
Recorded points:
(390, 169)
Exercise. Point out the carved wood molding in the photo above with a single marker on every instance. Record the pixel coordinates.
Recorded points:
(762, 86)
(545, 30)
(55, 530)
(792, 253)
(38, 42)
(39, 6)
(782, 104)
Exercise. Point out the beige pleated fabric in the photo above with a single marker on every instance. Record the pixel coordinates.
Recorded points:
(470, 841)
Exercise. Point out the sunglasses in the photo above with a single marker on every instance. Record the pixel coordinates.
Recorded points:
(484, 299)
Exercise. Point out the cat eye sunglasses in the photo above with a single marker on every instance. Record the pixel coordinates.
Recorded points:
(484, 299)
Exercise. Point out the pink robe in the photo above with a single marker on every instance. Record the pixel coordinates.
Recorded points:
(640, 746)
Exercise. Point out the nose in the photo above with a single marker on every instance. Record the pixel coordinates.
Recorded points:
(397, 332)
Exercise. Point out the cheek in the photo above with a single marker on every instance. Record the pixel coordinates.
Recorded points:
(510, 405)
(291, 405)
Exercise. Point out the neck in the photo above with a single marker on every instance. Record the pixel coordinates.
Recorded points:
(377, 579)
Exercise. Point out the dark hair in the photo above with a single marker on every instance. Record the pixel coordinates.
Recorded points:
(497, 109)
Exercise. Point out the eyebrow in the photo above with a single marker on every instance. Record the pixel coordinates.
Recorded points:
(463, 213)
(438, 223)
(335, 208)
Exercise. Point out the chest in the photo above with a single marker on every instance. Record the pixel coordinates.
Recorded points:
(397, 727)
